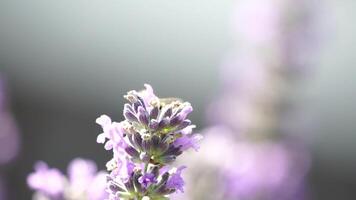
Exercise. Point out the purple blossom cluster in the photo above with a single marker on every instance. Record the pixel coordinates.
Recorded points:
(155, 131)
(83, 182)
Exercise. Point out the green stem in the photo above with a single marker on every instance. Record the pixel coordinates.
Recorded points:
(146, 167)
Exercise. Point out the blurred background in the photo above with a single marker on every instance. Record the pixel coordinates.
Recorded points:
(63, 63)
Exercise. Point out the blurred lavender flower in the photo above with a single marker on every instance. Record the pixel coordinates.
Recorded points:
(9, 136)
(9, 139)
(257, 21)
(242, 169)
(155, 131)
(248, 153)
(257, 80)
(83, 182)
(176, 181)
(280, 32)
(48, 182)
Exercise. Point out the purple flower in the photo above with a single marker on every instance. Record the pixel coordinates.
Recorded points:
(9, 134)
(123, 169)
(147, 179)
(257, 21)
(9, 138)
(237, 168)
(155, 131)
(176, 181)
(186, 142)
(112, 131)
(266, 169)
(84, 180)
(148, 95)
(97, 188)
(80, 173)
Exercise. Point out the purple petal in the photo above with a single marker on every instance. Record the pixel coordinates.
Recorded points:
(187, 142)
(108, 145)
(185, 111)
(147, 179)
(188, 130)
(147, 95)
(176, 181)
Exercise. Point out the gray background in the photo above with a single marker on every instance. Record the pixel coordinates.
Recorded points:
(69, 61)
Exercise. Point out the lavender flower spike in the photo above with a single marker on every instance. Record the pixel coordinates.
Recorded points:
(155, 131)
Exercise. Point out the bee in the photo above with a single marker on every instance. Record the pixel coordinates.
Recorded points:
(175, 102)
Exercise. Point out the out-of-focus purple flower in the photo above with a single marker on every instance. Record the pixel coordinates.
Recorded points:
(273, 170)
(80, 172)
(280, 32)
(257, 21)
(49, 182)
(97, 188)
(248, 153)
(9, 136)
(83, 182)
(252, 77)
(243, 115)
(236, 168)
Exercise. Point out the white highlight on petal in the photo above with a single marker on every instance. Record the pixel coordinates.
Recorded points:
(103, 120)
(101, 138)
